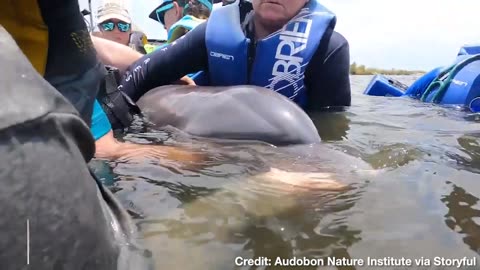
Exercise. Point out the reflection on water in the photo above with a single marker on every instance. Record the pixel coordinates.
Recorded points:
(396, 154)
(331, 126)
(469, 158)
(462, 217)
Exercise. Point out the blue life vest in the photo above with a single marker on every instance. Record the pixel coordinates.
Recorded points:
(280, 59)
(458, 84)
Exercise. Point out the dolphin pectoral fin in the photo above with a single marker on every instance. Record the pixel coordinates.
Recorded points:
(303, 180)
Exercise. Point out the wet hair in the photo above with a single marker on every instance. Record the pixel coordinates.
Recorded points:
(196, 9)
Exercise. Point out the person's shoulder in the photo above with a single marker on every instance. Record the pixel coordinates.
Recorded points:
(337, 46)
(334, 44)
(201, 29)
(333, 49)
(337, 40)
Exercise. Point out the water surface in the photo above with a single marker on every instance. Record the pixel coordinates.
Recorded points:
(421, 200)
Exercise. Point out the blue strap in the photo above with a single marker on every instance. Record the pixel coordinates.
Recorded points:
(100, 123)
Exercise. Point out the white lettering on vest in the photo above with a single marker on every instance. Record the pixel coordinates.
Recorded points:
(221, 55)
(288, 63)
(460, 83)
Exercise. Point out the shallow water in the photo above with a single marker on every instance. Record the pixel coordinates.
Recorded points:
(421, 200)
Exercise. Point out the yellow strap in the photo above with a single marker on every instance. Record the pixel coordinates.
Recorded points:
(23, 20)
(179, 30)
(149, 48)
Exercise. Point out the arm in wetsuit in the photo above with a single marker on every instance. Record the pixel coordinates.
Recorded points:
(71, 65)
(327, 75)
(164, 66)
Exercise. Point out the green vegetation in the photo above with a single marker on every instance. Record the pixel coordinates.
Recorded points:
(362, 70)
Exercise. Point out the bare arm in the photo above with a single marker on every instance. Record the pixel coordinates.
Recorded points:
(108, 147)
(120, 56)
(114, 54)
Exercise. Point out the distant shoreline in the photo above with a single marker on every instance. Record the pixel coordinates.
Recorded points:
(356, 69)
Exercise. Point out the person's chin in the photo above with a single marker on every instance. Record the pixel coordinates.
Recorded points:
(272, 16)
(273, 21)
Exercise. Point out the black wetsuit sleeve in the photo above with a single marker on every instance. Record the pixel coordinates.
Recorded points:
(72, 66)
(164, 66)
(327, 75)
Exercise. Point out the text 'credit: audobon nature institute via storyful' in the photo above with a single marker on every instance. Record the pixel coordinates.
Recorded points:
(369, 261)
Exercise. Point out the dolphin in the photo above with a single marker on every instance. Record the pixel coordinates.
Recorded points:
(232, 112)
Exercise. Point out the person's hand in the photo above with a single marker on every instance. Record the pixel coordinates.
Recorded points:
(183, 155)
(293, 181)
(185, 80)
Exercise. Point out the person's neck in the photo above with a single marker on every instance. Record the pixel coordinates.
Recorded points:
(262, 30)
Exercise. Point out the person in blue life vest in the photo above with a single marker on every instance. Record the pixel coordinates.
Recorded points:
(288, 46)
(180, 16)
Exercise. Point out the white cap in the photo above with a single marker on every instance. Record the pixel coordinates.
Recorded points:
(112, 10)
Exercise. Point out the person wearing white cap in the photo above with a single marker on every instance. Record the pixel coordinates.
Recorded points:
(114, 22)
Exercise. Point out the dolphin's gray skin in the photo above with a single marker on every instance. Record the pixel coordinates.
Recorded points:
(54, 213)
(233, 112)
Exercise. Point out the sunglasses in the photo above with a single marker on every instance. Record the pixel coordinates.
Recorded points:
(162, 10)
(109, 26)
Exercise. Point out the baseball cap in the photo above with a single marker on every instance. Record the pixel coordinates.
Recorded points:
(113, 11)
